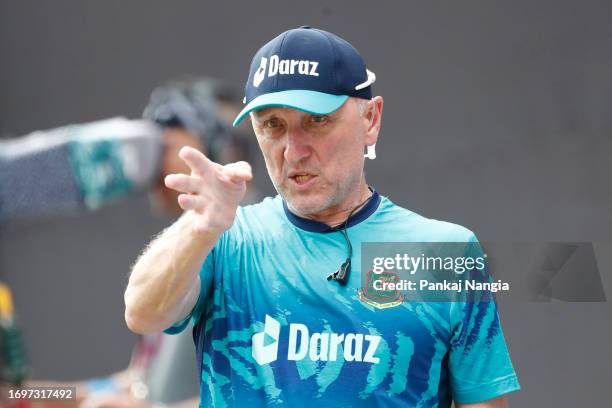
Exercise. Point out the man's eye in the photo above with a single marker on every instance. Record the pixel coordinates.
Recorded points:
(318, 119)
(272, 123)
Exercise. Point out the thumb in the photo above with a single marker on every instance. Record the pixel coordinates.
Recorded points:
(239, 171)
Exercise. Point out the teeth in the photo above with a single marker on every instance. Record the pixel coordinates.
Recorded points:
(301, 179)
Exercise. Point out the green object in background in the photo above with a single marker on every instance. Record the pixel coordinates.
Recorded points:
(98, 166)
(15, 361)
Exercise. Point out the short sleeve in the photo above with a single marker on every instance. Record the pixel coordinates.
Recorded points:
(479, 362)
(206, 279)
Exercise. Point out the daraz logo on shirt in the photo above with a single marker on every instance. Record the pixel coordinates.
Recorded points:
(317, 347)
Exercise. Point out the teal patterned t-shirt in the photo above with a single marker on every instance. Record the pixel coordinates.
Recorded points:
(271, 330)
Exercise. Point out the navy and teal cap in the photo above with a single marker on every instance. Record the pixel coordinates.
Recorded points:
(307, 69)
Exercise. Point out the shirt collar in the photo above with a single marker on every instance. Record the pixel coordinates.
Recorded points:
(315, 226)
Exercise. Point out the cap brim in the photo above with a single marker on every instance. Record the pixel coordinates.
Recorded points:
(316, 103)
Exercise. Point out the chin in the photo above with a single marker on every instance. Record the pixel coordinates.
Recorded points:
(307, 205)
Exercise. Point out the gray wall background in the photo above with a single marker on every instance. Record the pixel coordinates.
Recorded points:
(498, 116)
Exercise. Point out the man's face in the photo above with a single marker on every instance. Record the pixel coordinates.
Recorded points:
(315, 161)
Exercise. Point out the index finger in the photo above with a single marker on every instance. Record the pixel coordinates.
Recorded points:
(195, 159)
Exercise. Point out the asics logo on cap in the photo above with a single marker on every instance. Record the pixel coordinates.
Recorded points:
(284, 67)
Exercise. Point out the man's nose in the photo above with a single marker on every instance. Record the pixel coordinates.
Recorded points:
(298, 146)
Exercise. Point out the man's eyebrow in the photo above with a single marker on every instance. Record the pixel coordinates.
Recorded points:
(262, 112)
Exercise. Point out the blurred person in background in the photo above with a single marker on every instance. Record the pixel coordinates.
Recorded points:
(86, 166)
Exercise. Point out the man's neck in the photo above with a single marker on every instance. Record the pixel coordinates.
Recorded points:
(337, 215)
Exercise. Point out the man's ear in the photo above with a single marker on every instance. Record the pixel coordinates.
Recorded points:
(373, 116)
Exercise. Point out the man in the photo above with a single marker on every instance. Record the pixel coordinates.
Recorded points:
(272, 326)
(86, 166)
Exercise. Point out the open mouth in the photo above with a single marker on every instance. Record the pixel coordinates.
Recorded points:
(302, 179)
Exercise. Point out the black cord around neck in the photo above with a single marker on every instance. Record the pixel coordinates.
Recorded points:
(342, 273)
